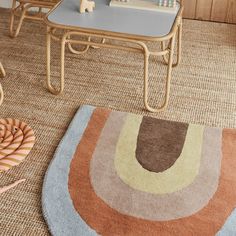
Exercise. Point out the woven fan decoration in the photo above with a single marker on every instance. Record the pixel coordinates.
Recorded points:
(6, 188)
(16, 141)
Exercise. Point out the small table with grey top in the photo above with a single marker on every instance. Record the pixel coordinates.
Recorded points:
(109, 24)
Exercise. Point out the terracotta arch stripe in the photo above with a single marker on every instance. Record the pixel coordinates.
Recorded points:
(107, 221)
(145, 205)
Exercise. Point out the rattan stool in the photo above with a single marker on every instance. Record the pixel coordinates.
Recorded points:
(22, 8)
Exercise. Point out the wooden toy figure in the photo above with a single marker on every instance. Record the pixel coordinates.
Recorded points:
(86, 5)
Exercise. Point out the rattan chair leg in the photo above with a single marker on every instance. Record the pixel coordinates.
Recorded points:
(22, 11)
(14, 31)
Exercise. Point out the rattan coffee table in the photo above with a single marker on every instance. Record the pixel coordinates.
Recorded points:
(131, 28)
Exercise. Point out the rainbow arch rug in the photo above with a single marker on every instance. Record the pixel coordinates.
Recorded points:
(117, 173)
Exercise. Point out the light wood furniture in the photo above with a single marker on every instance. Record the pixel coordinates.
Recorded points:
(22, 10)
(113, 28)
(211, 10)
(2, 74)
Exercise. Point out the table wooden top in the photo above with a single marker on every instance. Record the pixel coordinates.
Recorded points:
(113, 19)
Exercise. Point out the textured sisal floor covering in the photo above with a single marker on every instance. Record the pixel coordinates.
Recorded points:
(203, 91)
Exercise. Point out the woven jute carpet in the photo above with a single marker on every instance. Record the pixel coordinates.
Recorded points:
(203, 92)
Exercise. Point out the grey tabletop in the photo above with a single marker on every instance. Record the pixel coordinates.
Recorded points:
(114, 19)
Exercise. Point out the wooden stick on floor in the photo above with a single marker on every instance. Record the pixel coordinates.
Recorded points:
(2, 71)
(2, 74)
(4, 189)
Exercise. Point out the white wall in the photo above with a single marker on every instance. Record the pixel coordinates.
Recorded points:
(5, 3)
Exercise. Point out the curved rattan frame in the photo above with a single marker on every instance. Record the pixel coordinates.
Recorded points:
(21, 9)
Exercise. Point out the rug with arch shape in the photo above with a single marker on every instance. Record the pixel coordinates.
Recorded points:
(116, 173)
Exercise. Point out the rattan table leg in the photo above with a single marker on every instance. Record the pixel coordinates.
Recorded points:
(168, 78)
(49, 85)
(179, 46)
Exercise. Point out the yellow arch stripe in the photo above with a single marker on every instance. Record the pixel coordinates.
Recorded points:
(180, 175)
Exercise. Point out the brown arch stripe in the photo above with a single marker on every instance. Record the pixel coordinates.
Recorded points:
(106, 221)
(159, 143)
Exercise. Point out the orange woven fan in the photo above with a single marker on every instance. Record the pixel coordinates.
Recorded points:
(16, 141)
